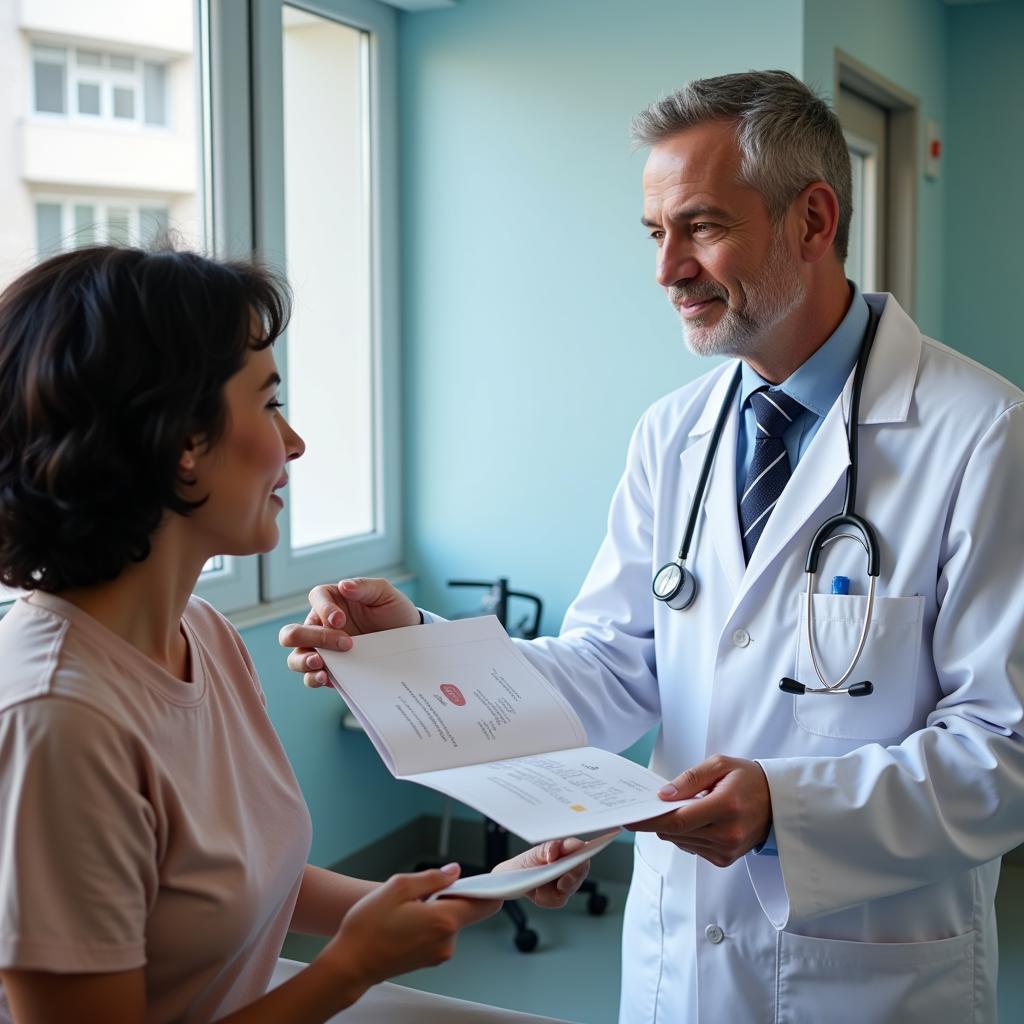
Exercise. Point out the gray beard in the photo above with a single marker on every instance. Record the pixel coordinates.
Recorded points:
(769, 300)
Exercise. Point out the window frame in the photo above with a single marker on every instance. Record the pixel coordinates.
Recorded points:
(864, 214)
(286, 571)
(240, 116)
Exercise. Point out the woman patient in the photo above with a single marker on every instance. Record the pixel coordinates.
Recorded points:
(154, 839)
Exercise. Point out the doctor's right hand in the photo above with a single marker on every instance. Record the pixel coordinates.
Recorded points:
(339, 612)
(392, 930)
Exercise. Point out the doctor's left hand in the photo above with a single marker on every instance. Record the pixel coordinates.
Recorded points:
(556, 893)
(732, 817)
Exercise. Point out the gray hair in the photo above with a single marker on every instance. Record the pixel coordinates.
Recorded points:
(787, 136)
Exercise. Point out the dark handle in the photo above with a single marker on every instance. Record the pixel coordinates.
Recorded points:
(792, 686)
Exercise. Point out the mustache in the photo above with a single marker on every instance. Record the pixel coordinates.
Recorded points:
(678, 294)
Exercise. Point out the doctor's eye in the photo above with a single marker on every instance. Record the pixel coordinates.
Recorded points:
(275, 403)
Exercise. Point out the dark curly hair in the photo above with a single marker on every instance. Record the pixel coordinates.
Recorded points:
(111, 358)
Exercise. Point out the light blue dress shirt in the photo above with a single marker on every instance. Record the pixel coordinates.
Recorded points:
(815, 384)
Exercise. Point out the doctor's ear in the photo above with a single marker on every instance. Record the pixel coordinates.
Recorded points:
(818, 210)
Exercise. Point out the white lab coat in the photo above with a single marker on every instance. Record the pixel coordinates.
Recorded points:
(890, 811)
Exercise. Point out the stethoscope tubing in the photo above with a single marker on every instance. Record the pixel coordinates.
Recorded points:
(676, 586)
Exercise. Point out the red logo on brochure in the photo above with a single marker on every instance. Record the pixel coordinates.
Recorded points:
(454, 694)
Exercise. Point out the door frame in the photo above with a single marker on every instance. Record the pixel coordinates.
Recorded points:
(904, 126)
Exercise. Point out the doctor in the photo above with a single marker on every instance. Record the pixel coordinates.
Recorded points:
(842, 864)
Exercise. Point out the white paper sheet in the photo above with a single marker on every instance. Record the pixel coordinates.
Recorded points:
(451, 694)
(560, 793)
(510, 885)
(455, 706)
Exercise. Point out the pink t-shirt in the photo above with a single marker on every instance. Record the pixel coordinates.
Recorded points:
(144, 821)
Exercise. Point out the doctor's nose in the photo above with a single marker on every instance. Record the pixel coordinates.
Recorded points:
(675, 266)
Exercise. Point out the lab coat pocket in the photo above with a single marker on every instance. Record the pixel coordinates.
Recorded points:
(881, 982)
(642, 940)
(889, 661)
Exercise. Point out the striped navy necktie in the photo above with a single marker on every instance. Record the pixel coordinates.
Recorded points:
(769, 470)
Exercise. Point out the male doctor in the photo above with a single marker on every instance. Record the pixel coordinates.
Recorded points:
(846, 849)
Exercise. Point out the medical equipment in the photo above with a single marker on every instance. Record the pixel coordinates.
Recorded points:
(677, 587)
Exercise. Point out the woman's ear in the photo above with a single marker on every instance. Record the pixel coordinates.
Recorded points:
(187, 459)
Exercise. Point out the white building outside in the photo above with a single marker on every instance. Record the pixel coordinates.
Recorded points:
(99, 138)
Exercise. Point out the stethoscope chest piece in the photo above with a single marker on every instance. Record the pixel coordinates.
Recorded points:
(675, 585)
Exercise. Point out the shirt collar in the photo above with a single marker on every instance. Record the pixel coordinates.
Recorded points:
(819, 380)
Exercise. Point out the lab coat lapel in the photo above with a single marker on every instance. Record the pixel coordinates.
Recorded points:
(722, 523)
(888, 389)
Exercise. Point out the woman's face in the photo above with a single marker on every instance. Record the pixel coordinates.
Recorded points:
(243, 473)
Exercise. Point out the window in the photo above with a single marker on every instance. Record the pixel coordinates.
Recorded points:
(50, 79)
(326, 209)
(313, 188)
(69, 180)
(63, 224)
(91, 84)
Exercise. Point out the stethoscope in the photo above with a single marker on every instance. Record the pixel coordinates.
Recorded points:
(677, 587)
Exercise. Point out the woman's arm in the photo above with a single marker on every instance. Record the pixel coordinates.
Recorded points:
(325, 897)
(389, 931)
(40, 997)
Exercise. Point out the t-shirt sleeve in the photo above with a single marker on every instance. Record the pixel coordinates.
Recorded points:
(78, 858)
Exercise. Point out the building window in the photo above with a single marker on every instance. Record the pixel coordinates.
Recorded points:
(64, 223)
(50, 79)
(95, 85)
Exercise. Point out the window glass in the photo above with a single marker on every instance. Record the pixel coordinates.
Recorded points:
(855, 254)
(119, 222)
(49, 233)
(50, 87)
(88, 58)
(89, 98)
(120, 63)
(327, 237)
(124, 103)
(85, 224)
(154, 78)
(153, 223)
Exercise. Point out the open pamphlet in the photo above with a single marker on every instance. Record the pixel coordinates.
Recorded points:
(516, 882)
(457, 707)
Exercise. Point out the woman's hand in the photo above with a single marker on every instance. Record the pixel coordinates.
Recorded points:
(391, 930)
(556, 893)
(338, 613)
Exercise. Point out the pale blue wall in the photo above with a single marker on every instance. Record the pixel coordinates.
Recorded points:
(534, 333)
(984, 168)
(905, 41)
